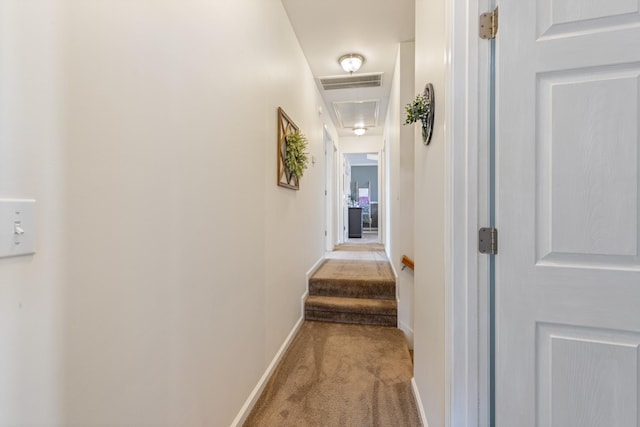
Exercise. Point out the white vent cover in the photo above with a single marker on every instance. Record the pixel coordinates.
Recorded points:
(352, 114)
(351, 82)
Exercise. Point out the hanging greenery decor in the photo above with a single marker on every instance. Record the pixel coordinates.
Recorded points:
(417, 110)
(422, 109)
(296, 156)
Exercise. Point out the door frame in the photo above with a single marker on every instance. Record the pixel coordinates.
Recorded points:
(329, 191)
(382, 193)
(467, 209)
(381, 189)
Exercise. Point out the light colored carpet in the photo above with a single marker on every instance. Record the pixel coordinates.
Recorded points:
(355, 279)
(367, 237)
(357, 255)
(360, 247)
(340, 375)
(374, 271)
(351, 291)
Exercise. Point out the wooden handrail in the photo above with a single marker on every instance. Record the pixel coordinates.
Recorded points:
(407, 262)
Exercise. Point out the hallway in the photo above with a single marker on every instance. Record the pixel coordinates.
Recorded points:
(344, 374)
(169, 266)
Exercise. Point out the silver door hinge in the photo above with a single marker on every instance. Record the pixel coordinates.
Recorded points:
(489, 24)
(488, 240)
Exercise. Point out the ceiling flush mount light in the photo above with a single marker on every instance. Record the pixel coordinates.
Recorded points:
(359, 131)
(351, 62)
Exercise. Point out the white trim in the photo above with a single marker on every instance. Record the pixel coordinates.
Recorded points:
(303, 298)
(382, 195)
(259, 388)
(313, 269)
(328, 188)
(451, 193)
(393, 270)
(308, 275)
(407, 330)
(466, 208)
(416, 393)
(337, 195)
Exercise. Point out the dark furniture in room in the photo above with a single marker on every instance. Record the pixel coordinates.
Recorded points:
(355, 222)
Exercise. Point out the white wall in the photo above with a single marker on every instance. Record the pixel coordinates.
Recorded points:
(170, 266)
(430, 224)
(32, 165)
(399, 146)
(360, 144)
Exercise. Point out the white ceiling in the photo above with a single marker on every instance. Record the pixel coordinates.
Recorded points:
(327, 29)
(362, 159)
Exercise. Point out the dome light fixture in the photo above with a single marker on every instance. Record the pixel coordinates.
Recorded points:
(351, 62)
(360, 131)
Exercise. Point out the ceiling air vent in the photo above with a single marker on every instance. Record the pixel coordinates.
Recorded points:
(353, 114)
(351, 82)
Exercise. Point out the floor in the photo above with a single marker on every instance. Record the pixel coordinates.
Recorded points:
(367, 238)
(365, 249)
(340, 375)
(336, 374)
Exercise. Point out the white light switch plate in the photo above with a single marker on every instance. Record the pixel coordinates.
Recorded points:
(17, 227)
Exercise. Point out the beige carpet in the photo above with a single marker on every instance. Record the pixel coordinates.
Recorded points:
(340, 375)
(363, 272)
(360, 247)
(351, 291)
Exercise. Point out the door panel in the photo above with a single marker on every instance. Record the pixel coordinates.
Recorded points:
(603, 361)
(570, 16)
(587, 166)
(568, 214)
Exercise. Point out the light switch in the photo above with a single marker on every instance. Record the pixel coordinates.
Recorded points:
(17, 227)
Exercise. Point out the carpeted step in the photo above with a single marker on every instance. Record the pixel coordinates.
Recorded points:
(353, 279)
(352, 288)
(366, 311)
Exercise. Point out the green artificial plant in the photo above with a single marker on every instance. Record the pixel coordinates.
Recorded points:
(417, 110)
(420, 110)
(296, 156)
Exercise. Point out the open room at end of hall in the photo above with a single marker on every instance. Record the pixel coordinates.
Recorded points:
(361, 172)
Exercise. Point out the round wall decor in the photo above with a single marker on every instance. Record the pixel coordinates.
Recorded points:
(427, 122)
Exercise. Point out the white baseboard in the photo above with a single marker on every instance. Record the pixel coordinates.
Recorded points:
(416, 393)
(408, 332)
(395, 276)
(314, 268)
(303, 298)
(259, 388)
(393, 268)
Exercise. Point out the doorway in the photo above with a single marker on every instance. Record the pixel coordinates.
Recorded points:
(362, 184)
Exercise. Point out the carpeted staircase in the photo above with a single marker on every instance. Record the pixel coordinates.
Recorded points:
(353, 291)
(337, 374)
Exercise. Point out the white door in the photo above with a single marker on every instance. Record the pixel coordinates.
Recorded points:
(568, 213)
(328, 191)
(346, 194)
